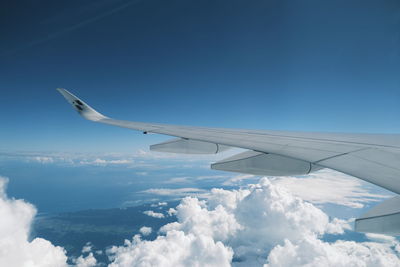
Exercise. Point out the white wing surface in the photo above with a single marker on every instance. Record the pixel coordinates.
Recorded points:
(371, 157)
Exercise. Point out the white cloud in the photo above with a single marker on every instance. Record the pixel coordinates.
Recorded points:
(99, 161)
(185, 179)
(252, 226)
(312, 252)
(176, 249)
(16, 249)
(236, 180)
(154, 214)
(318, 188)
(328, 186)
(142, 158)
(43, 159)
(159, 204)
(194, 217)
(145, 230)
(177, 180)
(174, 192)
(75, 158)
(87, 248)
(382, 238)
(262, 216)
(212, 177)
(172, 212)
(88, 261)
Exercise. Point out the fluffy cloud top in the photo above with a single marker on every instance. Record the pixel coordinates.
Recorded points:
(16, 249)
(145, 230)
(175, 249)
(311, 252)
(253, 226)
(88, 261)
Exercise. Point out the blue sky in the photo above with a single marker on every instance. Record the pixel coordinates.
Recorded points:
(286, 65)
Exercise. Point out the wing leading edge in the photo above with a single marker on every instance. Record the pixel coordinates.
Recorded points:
(371, 157)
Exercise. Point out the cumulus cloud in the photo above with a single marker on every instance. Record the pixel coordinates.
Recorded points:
(145, 230)
(154, 214)
(311, 251)
(175, 249)
(172, 212)
(256, 225)
(16, 249)
(87, 248)
(323, 187)
(88, 261)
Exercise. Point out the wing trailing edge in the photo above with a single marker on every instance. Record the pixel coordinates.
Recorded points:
(384, 218)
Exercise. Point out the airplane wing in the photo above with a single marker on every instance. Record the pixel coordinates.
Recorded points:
(371, 157)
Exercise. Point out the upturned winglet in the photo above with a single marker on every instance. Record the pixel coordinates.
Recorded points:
(81, 107)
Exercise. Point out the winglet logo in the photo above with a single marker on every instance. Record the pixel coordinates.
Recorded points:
(78, 105)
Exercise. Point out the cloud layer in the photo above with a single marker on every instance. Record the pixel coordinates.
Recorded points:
(261, 224)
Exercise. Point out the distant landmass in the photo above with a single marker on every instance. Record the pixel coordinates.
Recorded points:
(101, 227)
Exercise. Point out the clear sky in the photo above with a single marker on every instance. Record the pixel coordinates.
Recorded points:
(285, 65)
